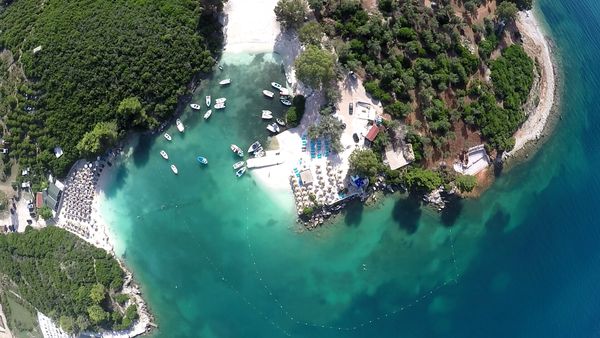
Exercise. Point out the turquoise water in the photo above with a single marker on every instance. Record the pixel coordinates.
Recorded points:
(218, 256)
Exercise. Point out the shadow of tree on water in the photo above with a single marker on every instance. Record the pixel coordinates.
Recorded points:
(452, 211)
(141, 153)
(354, 213)
(498, 221)
(407, 212)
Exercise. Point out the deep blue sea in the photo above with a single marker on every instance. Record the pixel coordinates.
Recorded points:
(218, 256)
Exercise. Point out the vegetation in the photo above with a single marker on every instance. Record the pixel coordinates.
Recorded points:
(465, 183)
(291, 13)
(294, 114)
(422, 180)
(315, 67)
(64, 277)
(103, 136)
(45, 212)
(365, 163)
(330, 128)
(124, 62)
(506, 10)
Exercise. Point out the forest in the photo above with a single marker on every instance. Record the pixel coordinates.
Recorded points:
(66, 278)
(84, 59)
(429, 74)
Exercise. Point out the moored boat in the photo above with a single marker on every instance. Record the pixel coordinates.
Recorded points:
(195, 106)
(237, 150)
(285, 102)
(168, 137)
(225, 82)
(238, 165)
(268, 93)
(273, 127)
(276, 85)
(221, 100)
(174, 169)
(288, 78)
(240, 172)
(207, 100)
(267, 115)
(280, 122)
(164, 154)
(207, 114)
(202, 160)
(180, 126)
(254, 146)
(220, 105)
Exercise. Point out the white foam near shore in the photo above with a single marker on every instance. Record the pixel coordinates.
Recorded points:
(536, 46)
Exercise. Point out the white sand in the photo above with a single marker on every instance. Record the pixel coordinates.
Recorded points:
(536, 46)
(250, 26)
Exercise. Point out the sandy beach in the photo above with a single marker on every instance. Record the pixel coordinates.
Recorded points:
(250, 26)
(537, 47)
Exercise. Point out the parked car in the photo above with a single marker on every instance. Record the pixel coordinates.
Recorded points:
(3, 150)
(355, 138)
(350, 108)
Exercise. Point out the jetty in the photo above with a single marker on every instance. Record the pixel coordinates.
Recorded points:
(270, 159)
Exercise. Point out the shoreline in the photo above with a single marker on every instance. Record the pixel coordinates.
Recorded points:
(540, 118)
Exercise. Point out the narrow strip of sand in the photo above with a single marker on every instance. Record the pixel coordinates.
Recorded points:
(537, 47)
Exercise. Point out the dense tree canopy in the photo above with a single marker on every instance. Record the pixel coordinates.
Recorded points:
(62, 276)
(291, 13)
(465, 183)
(315, 67)
(94, 55)
(419, 179)
(364, 162)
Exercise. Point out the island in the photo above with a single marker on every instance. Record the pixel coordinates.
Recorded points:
(427, 98)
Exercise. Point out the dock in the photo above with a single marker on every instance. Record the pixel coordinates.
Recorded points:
(270, 159)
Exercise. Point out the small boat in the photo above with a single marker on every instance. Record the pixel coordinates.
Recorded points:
(240, 172)
(254, 146)
(207, 100)
(168, 137)
(273, 127)
(220, 67)
(288, 78)
(195, 106)
(202, 160)
(259, 153)
(207, 114)
(225, 82)
(220, 105)
(286, 102)
(180, 126)
(221, 100)
(238, 165)
(268, 93)
(267, 115)
(280, 122)
(174, 169)
(164, 154)
(237, 150)
(276, 85)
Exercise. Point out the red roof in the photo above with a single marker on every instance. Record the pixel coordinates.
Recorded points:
(372, 134)
(39, 200)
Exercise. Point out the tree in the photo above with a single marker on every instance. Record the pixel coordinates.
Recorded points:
(316, 5)
(97, 314)
(364, 163)
(315, 67)
(523, 5)
(67, 323)
(45, 212)
(310, 33)
(328, 127)
(131, 114)
(507, 11)
(291, 13)
(419, 179)
(103, 136)
(465, 183)
(398, 109)
(97, 293)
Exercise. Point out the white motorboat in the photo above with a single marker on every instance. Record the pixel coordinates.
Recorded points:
(207, 100)
(180, 126)
(276, 85)
(207, 114)
(254, 146)
(267, 115)
(225, 82)
(238, 165)
(195, 106)
(259, 153)
(174, 169)
(286, 102)
(168, 137)
(268, 93)
(280, 122)
(220, 105)
(237, 150)
(273, 127)
(221, 100)
(164, 154)
(288, 78)
(240, 172)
